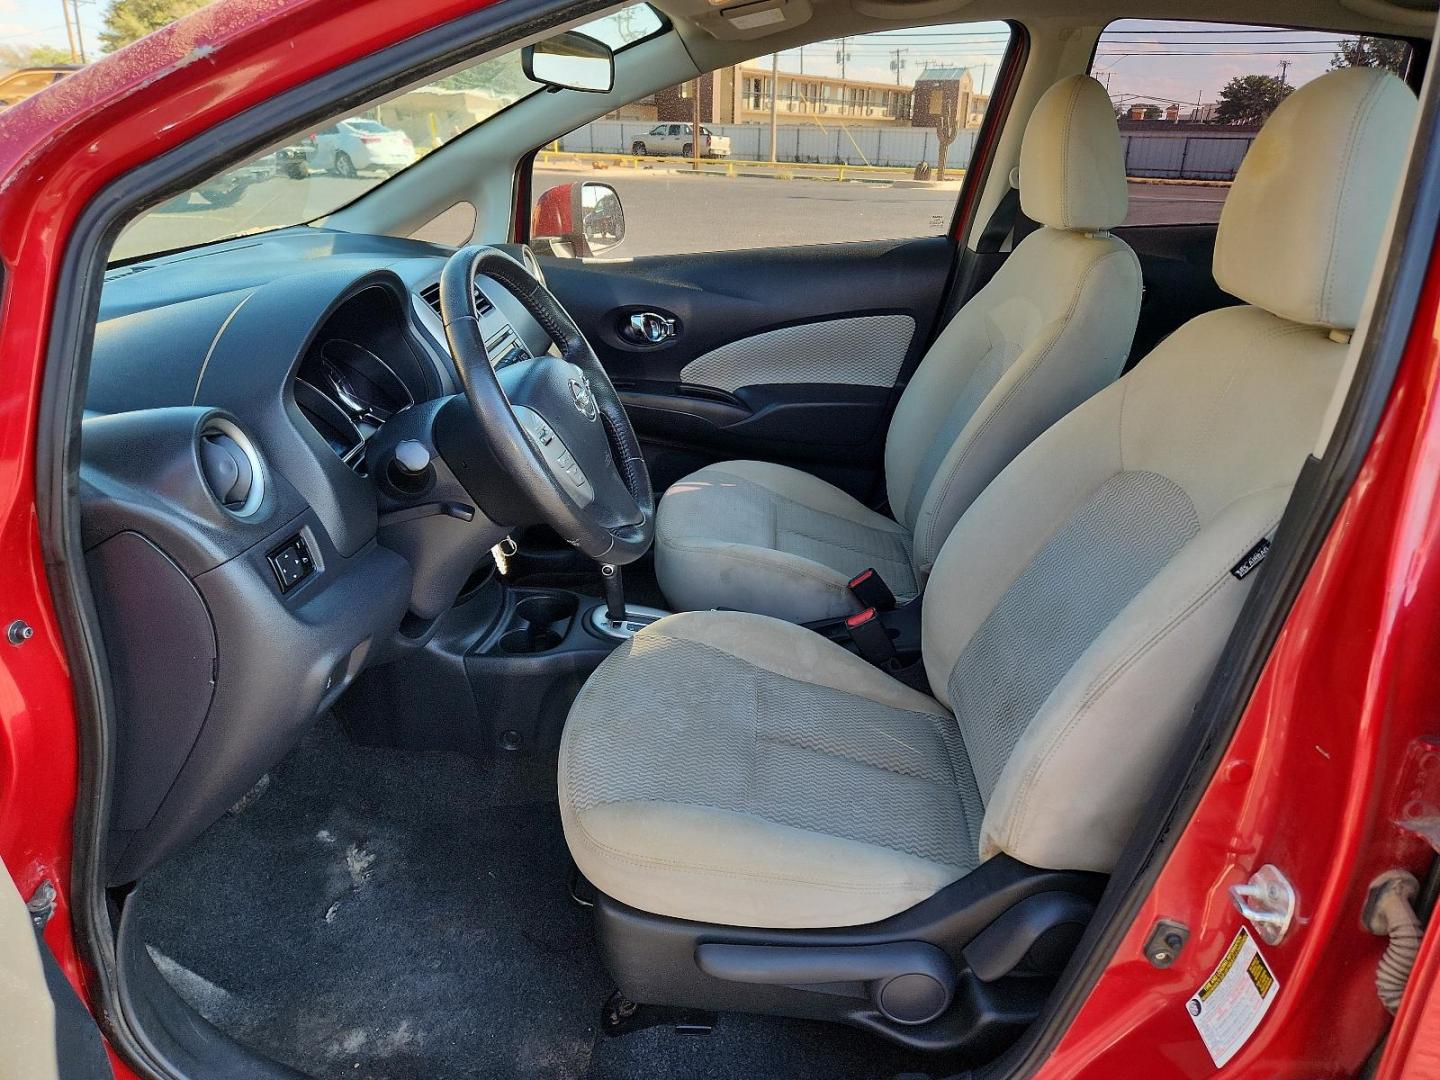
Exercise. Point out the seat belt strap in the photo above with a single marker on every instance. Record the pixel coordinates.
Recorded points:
(1001, 224)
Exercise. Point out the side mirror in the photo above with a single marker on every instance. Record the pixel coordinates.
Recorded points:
(576, 220)
(570, 61)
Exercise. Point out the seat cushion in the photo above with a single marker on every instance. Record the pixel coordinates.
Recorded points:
(730, 768)
(772, 540)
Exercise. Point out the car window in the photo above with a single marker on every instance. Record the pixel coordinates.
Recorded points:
(865, 138)
(306, 179)
(1190, 98)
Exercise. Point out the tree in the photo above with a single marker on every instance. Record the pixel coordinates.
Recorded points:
(1250, 99)
(21, 56)
(130, 20)
(1366, 51)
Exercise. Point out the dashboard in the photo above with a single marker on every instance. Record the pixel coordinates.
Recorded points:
(248, 547)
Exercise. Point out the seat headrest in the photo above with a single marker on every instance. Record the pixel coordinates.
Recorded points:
(1072, 166)
(1303, 222)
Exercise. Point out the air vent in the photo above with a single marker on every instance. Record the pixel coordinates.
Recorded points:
(231, 467)
(431, 295)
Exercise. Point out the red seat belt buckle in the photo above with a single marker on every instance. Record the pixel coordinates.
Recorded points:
(870, 589)
(871, 638)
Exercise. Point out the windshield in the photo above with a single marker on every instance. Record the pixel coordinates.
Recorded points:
(340, 161)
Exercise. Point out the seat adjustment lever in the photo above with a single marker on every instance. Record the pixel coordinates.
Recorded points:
(910, 982)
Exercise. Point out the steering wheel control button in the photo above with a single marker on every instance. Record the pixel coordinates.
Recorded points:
(556, 454)
(291, 563)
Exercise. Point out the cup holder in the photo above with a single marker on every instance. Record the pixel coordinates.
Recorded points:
(529, 640)
(538, 623)
(547, 609)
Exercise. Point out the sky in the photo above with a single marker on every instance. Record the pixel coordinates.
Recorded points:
(1138, 59)
(40, 22)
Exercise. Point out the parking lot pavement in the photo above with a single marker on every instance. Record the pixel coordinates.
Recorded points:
(667, 210)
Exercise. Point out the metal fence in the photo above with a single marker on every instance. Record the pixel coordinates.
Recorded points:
(1185, 156)
(832, 144)
(1177, 155)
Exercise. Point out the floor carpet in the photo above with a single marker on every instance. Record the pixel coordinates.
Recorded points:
(393, 915)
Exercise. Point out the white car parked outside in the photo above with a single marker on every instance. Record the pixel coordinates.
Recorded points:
(349, 146)
(676, 139)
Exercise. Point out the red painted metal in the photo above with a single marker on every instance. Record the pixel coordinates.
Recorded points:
(57, 150)
(1309, 783)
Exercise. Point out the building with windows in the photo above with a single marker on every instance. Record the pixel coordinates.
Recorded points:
(741, 95)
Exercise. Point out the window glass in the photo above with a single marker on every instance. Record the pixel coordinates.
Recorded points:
(862, 138)
(1190, 98)
(338, 162)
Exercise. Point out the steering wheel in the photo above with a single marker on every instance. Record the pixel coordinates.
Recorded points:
(554, 423)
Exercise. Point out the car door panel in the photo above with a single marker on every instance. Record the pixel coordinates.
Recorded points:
(783, 354)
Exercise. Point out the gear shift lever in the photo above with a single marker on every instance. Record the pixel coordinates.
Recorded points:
(614, 593)
(614, 619)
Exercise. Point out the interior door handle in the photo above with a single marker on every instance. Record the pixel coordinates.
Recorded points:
(648, 328)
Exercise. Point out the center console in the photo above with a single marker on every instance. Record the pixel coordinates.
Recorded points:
(498, 674)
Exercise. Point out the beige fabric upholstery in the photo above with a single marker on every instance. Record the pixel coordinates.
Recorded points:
(737, 769)
(1072, 164)
(1071, 622)
(759, 537)
(1050, 329)
(27, 1012)
(1304, 220)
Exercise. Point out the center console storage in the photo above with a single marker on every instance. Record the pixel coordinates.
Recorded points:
(498, 673)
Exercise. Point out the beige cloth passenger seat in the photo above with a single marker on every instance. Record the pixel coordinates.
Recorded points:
(1053, 327)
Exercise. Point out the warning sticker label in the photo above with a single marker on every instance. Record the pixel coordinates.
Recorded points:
(1233, 1001)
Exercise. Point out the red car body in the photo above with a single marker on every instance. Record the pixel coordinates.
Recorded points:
(1320, 771)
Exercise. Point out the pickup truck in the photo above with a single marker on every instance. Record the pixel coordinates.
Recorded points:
(678, 139)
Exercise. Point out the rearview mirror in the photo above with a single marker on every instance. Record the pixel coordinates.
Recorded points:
(577, 220)
(570, 61)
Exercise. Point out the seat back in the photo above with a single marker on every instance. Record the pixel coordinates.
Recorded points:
(1051, 328)
(1079, 607)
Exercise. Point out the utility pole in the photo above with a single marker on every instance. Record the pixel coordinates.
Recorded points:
(70, 31)
(898, 64)
(79, 34)
(695, 131)
(842, 55)
(774, 99)
(1284, 67)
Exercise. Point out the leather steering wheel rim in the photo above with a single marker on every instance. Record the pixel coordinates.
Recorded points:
(620, 538)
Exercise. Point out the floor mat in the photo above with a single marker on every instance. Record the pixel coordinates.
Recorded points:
(392, 915)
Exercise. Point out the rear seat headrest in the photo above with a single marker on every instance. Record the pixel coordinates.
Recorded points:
(1072, 164)
(1303, 222)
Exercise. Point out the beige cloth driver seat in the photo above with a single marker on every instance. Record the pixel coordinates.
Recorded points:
(1051, 328)
(740, 771)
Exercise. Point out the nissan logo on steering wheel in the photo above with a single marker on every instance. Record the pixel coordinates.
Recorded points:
(584, 398)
